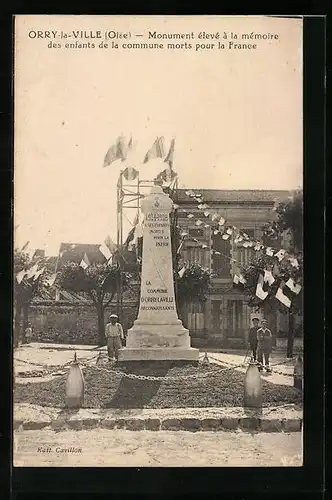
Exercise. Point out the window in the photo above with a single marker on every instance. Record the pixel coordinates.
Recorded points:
(221, 264)
(235, 318)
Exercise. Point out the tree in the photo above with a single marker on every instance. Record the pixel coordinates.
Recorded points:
(289, 219)
(25, 290)
(281, 271)
(191, 286)
(99, 282)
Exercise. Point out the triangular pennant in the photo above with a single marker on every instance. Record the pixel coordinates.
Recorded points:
(259, 288)
(282, 297)
(225, 236)
(269, 251)
(268, 278)
(293, 287)
(280, 254)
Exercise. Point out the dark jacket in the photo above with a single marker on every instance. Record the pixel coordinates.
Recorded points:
(264, 337)
(252, 338)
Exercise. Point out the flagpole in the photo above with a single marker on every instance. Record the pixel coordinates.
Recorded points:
(119, 237)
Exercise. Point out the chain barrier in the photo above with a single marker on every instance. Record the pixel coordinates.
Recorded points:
(85, 363)
(245, 364)
(160, 378)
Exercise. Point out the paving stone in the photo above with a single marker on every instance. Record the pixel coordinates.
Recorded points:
(135, 424)
(17, 424)
(190, 424)
(171, 424)
(119, 423)
(292, 425)
(77, 425)
(230, 423)
(35, 425)
(108, 423)
(249, 423)
(152, 424)
(270, 425)
(209, 424)
(91, 423)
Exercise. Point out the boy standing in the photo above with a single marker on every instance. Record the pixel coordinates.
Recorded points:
(252, 338)
(264, 346)
(114, 336)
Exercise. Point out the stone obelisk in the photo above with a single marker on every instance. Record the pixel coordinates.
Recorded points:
(157, 333)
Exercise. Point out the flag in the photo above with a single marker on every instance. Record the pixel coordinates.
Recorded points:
(183, 234)
(156, 150)
(199, 222)
(25, 246)
(32, 271)
(259, 288)
(190, 216)
(204, 246)
(50, 281)
(38, 273)
(121, 148)
(206, 213)
(216, 231)
(180, 246)
(182, 271)
(229, 231)
(268, 278)
(293, 287)
(269, 251)
(130, 144)
(20, 276)
(258, 246)
(110, 156)
(105, 251)
(238, 278)
(280, 255)
(130, 173)
(110, 243)
(170, 156)
(282, 297)
(221, 221)
(85, 262)
(225, 236)
(238, 239)
(130, 237)
(294, 262)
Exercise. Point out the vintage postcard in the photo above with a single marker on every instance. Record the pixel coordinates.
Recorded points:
(158, 255)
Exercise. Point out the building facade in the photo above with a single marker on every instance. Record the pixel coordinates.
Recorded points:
(224, 319)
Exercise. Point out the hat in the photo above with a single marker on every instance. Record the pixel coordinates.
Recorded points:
(113, 316)
(255, 318)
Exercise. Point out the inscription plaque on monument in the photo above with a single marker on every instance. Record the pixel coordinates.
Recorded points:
(157, 332)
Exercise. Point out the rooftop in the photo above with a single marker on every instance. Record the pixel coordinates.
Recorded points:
(235, 195)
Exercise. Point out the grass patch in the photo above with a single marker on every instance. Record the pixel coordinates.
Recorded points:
(110, 390)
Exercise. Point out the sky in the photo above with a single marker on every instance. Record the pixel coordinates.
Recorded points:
(236, 116)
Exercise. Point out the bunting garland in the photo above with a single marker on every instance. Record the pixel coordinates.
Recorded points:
(242, 238)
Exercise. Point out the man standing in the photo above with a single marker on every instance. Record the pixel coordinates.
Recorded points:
(264, 346)
(114, 336)
(252, 338)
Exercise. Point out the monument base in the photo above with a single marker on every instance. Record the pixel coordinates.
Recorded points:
(158, 354)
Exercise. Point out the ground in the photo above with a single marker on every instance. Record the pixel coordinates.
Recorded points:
(215, 385)
(121, 448)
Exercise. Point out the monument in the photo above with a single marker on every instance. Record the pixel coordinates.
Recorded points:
(157, 333)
